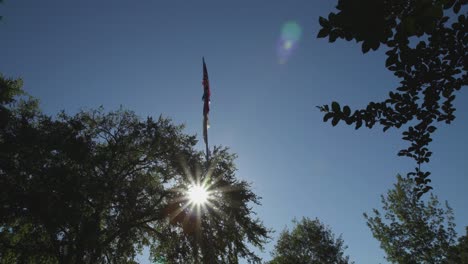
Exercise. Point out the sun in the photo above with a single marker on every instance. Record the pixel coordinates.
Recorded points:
(198, 194)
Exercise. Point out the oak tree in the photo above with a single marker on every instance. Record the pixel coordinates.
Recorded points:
(97, 187)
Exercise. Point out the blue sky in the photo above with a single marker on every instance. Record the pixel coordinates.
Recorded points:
(146, 56)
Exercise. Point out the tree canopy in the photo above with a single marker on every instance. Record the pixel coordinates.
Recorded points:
(411, 230)
(458, 253)
(309, 242)
(218, 232)
(97, 187)
(426, 43)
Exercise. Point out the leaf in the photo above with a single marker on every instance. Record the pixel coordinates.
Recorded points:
(333, 37)
(327, 116)
(419, 193)
(365, 47)
(392, 59)
(346, 110)
(335, 107)
(426, 174)
(358, 123)
(324, 22)
(375, 44)
(448, 3)
(461, 19)
(418, 181)
(431, 129)
(323, 33)
(457, 7)
(426, 189)
(335, 121)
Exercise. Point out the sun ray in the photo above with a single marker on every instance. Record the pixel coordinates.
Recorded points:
(227, 189)
(208, 177)
(178, 211)
(198, 194)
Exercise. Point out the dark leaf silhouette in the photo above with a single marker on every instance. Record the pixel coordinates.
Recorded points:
(431, 72)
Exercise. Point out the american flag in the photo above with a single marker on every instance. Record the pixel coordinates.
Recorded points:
(206, 103)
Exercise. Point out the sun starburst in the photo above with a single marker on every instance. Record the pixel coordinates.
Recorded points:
(198, 194)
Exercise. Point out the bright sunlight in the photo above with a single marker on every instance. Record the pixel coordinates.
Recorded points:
(198, 194)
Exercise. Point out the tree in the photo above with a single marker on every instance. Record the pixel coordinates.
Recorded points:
(412, 230)
(97, 187)
(222, 224)
(427, 54)
(458, 253)
(310, 242)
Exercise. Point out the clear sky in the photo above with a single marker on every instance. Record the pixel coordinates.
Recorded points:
(146, 56)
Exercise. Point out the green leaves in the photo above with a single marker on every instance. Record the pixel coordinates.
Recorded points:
(310, 241)
(410, 230)
(459, 253)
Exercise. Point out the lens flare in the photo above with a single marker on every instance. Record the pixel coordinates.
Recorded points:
(198, 194)
(290, 36)
(291, 31)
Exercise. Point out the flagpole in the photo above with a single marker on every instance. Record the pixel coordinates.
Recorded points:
(207, 148)
(205, 137)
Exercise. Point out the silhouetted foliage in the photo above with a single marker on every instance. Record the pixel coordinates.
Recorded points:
(310, 242)
(427, 54)
(97, 187)
(412, 230)
(458, 254)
